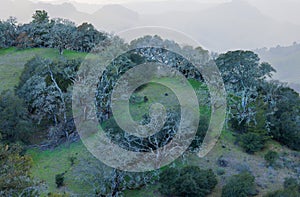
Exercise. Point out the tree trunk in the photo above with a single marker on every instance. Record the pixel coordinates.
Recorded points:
(62, 99)
(61, 51)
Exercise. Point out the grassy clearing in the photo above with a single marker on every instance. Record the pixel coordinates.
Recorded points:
(46, 164)
(12, 61)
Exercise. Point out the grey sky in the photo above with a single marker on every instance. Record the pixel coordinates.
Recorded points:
(124, 1)
(281, 10)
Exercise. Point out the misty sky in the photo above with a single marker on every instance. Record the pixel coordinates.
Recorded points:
(125, 1)
(281, 10)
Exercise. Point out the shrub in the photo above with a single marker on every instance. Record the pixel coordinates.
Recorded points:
(252, 142)
(72, 160)
(241, 185)
(291, 183)
(271, 157)
(291, 189)
(188, 181)
(59, 180)
(221, 171)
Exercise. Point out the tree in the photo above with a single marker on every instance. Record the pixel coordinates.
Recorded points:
(284, 118)
(44, 86)
(15, 179)
(242, 74)
(63, 34)
(40, 16)
(87, 37)
(15, 123)
(188, 181)
(241, 185)
(8, 32)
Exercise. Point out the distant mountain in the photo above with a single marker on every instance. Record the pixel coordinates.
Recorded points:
(108, 18)
(281, 10)
(114, 18)
(286, 60)
(89, 8)
(65, 10)
(160, 7)
(23, 10)
(232, 25)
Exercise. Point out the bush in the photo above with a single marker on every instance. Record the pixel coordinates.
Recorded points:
(220, 171)
(252, 142)
(291, 189)
(291, 183)
(72, 160)
(59, 180)
(271, 157)
(241, 185)
(188, 181)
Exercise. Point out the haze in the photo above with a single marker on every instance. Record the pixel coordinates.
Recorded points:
(218, 25)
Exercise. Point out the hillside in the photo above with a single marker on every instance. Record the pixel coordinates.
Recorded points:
(76, 162)
(85, 113)
(227, 158)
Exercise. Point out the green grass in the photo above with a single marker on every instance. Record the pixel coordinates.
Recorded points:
(12, 61)
(46, 164)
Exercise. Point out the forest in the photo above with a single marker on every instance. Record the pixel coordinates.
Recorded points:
(41, 153)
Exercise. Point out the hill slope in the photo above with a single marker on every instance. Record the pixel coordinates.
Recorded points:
(12, 62)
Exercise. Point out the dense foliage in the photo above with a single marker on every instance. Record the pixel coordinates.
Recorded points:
(258, 106)
(285, 118)
(15, 123)
(252, 142)
(15, 177)
(188, 181)
(271, 157)
(44, 86)
(51, 33)
(241, 185)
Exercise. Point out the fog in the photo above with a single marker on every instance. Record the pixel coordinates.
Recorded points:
(218, 25)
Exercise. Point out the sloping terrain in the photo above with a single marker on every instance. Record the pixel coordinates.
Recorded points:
(12, 61)
(79, 166)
